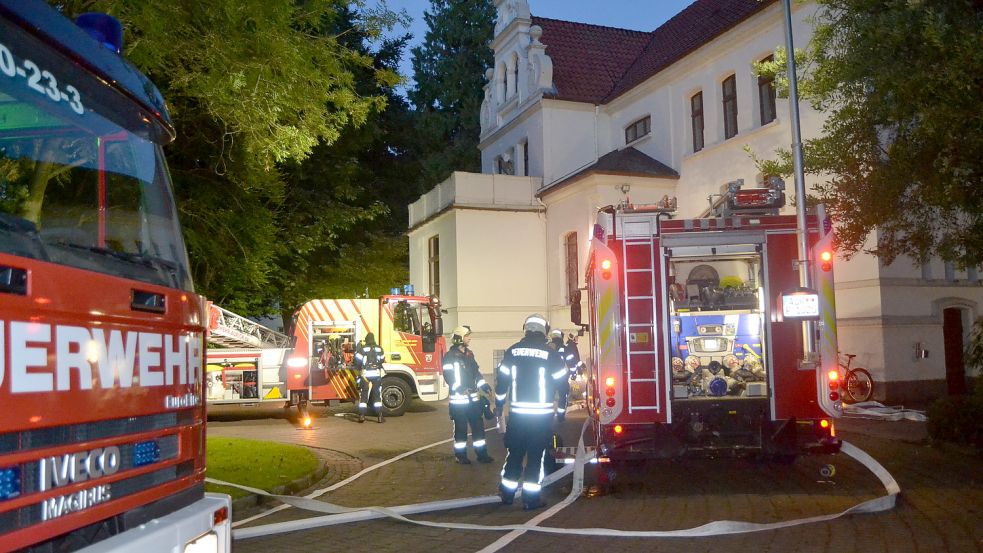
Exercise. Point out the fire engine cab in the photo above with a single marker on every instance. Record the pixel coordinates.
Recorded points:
(327, 333)
(698, 332)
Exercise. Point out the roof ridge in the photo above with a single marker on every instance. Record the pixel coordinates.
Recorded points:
(596, 26)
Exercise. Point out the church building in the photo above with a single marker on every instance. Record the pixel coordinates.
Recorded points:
(577, 117)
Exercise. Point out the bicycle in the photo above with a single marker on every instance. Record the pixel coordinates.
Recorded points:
(858, 385)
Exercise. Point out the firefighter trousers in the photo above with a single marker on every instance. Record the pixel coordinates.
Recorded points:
(369, 389)
(463, 417)
(562, 392)
(526, 438)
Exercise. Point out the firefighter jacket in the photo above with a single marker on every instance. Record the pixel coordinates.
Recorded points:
(369, 360)
(528, 376)
(571, 356)
(462, 375)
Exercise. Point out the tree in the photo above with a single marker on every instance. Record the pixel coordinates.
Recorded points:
(449, 69)
(901, 150)
(254, 86)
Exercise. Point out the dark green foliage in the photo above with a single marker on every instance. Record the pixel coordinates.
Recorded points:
(449, 69)
(958, 419)
(901, 151)
(287, 155)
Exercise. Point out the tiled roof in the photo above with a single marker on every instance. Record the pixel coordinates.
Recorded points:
(627, 161)
(588, 60)
(597, 64)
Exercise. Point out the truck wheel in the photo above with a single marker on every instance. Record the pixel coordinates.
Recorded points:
(395, 394)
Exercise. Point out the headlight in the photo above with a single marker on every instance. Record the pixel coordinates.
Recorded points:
(205, 544)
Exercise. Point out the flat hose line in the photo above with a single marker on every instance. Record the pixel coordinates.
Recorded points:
(337, 514)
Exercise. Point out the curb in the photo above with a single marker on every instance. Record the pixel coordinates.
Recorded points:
(252, 501)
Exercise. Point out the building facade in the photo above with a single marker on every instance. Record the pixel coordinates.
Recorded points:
(576, 117)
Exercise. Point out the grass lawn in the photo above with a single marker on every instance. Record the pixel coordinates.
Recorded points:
(254, 463)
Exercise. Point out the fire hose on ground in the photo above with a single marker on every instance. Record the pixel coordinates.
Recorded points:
(337, 514)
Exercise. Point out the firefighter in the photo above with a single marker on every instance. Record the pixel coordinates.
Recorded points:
(368, 360)
(572, 357)
(528, 376)
(562, 388)
(465, 381)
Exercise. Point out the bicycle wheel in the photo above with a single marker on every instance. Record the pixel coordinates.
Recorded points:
(859, 385)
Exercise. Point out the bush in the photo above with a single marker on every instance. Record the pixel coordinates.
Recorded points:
(958, 419)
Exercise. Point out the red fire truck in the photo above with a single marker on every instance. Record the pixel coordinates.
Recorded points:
(327, 333)
(102, 438)
(697, 335)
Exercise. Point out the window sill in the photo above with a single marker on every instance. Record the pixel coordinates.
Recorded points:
(740, 135)
(638, 140)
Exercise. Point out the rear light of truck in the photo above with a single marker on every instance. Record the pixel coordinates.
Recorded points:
(220, 516)
(618, 429)
(609, 391)
(606, 269)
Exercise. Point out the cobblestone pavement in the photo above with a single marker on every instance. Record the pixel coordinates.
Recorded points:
(940, 508)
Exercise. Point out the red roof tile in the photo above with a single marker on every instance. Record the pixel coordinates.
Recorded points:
(597, 64)
(588, 60)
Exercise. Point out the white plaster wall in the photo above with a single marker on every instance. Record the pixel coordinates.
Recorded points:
(527, 127)
(569, 139)
(443, 226)
(501, 276)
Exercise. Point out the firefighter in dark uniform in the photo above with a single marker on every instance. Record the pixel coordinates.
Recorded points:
(562, 388)
(462, 375)
(571, 356)
(528, 376)
(368, 360)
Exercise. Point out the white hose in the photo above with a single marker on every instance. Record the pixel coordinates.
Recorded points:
(338, 514)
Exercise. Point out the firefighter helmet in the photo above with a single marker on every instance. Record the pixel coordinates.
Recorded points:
(460, 332)
(536, 323)
(557, 333)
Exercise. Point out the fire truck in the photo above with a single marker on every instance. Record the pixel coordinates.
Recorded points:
(327, 333)
(102, 438)
(698, 332)
(248, 363)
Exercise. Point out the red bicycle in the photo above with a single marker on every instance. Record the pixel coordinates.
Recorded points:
(858, 384)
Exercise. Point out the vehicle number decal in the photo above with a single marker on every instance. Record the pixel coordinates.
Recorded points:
(39, 80)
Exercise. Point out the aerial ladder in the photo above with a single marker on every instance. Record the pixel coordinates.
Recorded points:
(229, 330)
(246, 363)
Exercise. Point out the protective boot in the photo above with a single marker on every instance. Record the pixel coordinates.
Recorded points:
(506, 495)
(483, 456)
(532, 503)
(361, 417)
(462, 458)
(381, 419)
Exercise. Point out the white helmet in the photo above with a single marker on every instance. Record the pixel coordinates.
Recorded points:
(460, 332)
(556, 333)
(536, 323)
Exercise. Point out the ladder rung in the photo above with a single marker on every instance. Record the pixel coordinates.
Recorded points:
(640, 352)
(643, 380)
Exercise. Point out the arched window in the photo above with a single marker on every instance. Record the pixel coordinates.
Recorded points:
(571, 263)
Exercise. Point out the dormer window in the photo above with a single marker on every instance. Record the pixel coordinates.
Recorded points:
(638, 129)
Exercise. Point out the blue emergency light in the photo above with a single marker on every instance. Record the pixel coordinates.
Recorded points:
(9, 483)
(104, 28)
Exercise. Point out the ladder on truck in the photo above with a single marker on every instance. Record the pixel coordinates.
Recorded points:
(227, 329)
(638, 253)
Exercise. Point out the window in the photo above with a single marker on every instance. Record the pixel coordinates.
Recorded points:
(766, 95)
(638, 129)
(433, 259)
(515, 74)
(525, 158)
(730, 106)
(571, 264)
(696, 115)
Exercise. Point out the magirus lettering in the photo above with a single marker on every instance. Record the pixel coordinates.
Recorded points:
(39, 357)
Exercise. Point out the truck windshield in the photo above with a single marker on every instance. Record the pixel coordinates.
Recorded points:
(83, 181)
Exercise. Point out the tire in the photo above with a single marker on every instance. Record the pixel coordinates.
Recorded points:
(396, 395)
(859, 385)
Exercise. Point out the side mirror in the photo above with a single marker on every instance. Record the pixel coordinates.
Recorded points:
(575, 314)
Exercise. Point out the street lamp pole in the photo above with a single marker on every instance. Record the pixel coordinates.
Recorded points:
(805, 279)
